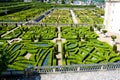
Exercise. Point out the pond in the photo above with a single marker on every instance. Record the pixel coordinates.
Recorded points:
(71, 45)
(42, 44)
(39, 18)
(45, 62)
(16, 47)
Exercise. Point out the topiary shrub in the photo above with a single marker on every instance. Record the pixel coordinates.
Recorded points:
(0, 28)
(95, 25)
(99, 28)
(91, 28)
(39, 38)
(86, 38)
(113, 37)
(104, 31)
(115, 48)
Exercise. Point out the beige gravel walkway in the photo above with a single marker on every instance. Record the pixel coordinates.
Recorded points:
(27, 56)
(59, 42)
(73, 17)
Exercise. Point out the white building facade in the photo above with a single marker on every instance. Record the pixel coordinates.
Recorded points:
(112, 15)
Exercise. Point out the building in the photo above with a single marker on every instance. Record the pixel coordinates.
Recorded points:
(112, 18)
(77, 2)
(27, 0)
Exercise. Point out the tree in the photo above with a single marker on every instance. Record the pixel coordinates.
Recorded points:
(16, 25)
(39, 38)
(63, 1)
(91, 28)
(32, 39)
(115, 48)
(83, 37)
(79, 37)
(6, 25)
(2, 24)
(95, 25)
(104, 32)
(86, 38)
(98, 28)
(113, 37)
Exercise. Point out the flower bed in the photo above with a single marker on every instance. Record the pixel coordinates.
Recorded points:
(16, 55)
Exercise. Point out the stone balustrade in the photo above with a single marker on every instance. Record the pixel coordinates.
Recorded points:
(77, 68)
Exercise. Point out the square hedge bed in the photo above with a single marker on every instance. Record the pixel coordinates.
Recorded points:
(88, 52)
(23, 54)
(84, 48)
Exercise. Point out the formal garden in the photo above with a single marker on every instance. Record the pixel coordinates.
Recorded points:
(27, 14)
(58, 16)
(84, 48)
(25, 45)
(35, 49)
(89, 16)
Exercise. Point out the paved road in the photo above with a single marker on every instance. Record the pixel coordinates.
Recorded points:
(98, 75)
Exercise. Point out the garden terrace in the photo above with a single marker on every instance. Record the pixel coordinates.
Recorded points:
(84, 48)
(85, 52)
(21, 55)
(89, 16)
(57, 17)
(7, 8)
(23, 16)
(35, 47)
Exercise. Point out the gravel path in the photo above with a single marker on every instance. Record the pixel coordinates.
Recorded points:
(73, 17)
(59, 42)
